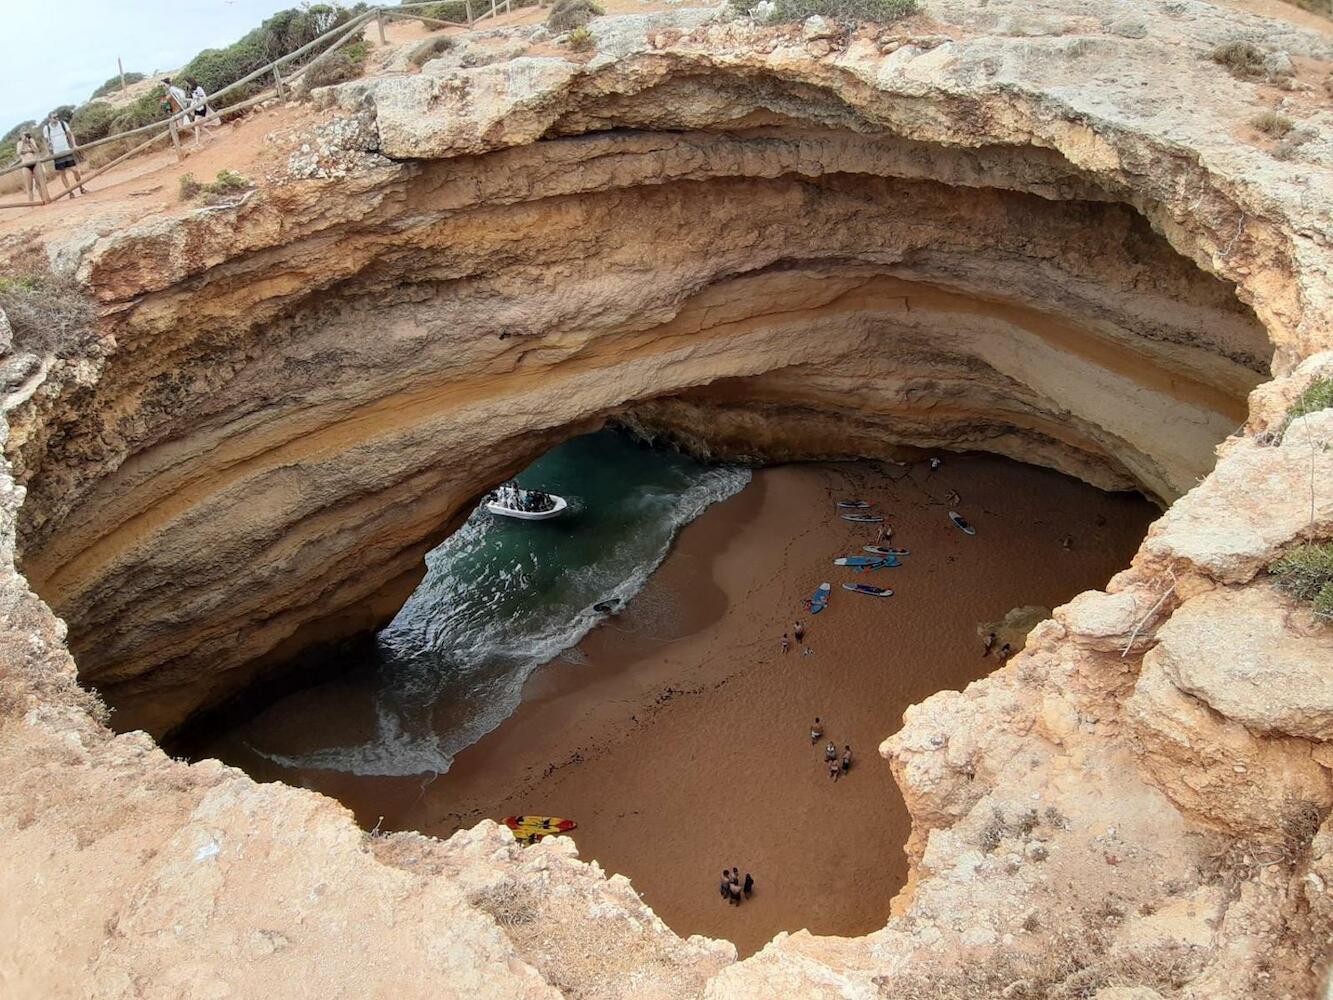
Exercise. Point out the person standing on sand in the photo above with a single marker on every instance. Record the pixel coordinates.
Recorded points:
(749, 885)
(834, 770)
(786, 643)
(734, 890)
(725, 887)
(33, 177)
(830, 752)
(798, 630)
(60, 140)
(846, 759)
(816, 731)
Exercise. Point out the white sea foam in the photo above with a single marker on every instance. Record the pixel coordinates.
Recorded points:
(490, 656)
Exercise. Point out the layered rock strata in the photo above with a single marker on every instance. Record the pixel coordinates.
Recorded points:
(308, 389)
(765, 242)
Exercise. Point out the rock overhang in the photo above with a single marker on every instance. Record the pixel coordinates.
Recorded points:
(1222, 206)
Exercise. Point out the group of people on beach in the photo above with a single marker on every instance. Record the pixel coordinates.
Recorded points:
(797, 630)
(57, 138)
(838, 764)
(733, 889)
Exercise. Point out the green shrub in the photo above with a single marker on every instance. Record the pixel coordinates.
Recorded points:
(842, 11)
(453, 10)
(10, 138)
(1272, 124)
(430, 49)
(566, 15)
(226, 182)
(580, 40)
(284, 32)
(49, 315)
(114, 84)
(1241, 58)
(93, 121)
(347, 63)
(1318, 395)
(456, 10)
(144, 111)
(1306, 573)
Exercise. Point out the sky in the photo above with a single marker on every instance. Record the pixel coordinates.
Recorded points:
(53, 54)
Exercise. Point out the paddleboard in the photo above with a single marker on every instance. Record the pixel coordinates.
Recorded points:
(884, 550)
(853, 504)
(531, 829)
(868, 590)
(856, 561)
(820, 601)
(959, 520)
(862, 518)
(884, 562)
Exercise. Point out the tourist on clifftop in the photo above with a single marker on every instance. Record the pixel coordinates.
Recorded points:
(33, 178)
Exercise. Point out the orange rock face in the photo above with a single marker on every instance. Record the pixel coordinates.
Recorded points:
(951, 233)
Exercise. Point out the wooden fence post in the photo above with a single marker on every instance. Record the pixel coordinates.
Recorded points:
(493, 11)
(379, 23)
(278, 84)
(121, 66)
(176, 138)
(467, 6)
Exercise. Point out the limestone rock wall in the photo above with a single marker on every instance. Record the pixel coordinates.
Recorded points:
(1037, 229)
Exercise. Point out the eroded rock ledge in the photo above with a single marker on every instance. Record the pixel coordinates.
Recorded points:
(940, 235)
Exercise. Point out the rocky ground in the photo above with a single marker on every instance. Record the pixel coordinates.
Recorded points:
(293, 393)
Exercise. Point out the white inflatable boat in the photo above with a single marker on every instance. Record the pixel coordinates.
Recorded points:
(526, 505)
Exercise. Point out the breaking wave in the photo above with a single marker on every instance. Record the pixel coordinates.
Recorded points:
(502, 597)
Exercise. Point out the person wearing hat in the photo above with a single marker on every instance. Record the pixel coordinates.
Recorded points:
(33, 177)
(60, 140)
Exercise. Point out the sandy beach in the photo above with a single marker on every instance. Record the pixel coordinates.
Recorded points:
(677, 733)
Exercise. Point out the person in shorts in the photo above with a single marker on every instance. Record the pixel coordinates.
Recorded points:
(33, 177)
(60, 140)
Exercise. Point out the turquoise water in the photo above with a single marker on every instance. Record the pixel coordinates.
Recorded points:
(502, 596)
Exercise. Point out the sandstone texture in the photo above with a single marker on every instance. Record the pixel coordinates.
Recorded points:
(1044, 229)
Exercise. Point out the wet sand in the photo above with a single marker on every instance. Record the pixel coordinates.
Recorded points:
(676, 734)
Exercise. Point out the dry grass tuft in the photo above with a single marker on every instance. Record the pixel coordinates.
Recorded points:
(566, 15)
(1073, 964)
(1272, 124)
(581, 40)
(1242, 59)
(430, 49)
(226, 183)
(49, 315)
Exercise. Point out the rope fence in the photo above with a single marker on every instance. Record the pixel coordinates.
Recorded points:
(171, 126)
